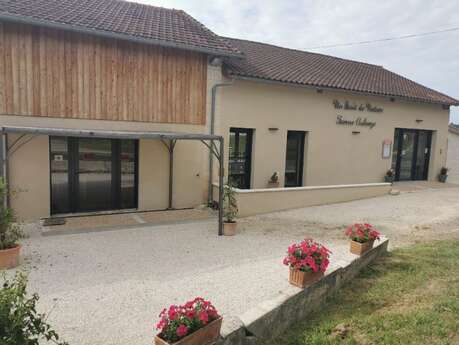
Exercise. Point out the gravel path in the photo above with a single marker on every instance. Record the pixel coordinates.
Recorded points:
(106, 288)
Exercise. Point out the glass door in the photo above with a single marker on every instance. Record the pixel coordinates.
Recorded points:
(94, 175)
(421, 167)
(294, 159)
(407, 155)
(240, 157)
(411, 154)
(89, 174)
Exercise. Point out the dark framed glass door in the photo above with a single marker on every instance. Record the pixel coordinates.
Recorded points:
(411, 154)
(89, 174)
(240, 157)
(294, 160)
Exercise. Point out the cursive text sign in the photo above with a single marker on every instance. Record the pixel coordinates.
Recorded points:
(360, 121)
(347, 105)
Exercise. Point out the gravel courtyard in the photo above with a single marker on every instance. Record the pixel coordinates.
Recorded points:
(108, 287)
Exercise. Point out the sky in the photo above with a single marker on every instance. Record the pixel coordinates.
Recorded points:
(302, 24)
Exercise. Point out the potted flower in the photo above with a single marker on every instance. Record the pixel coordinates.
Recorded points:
(362, 237)
(195, 323)
(230, 210)
(308, 260)
(274, 181)
(10, 233)
(390, 176)
(443, 174)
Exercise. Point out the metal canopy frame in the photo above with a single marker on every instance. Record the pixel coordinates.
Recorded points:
(169, 139)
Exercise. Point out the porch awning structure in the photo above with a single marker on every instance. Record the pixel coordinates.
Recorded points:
(169, 139)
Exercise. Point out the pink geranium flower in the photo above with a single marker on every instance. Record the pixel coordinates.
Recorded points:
(307, 255)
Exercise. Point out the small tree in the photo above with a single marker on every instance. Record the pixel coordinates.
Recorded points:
(10, 232)
(230, 209)
(20, 324)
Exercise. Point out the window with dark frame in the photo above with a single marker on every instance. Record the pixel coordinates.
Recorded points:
(294, 159)
(240, 157)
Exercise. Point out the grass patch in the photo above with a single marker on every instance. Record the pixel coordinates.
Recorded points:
(411, 296)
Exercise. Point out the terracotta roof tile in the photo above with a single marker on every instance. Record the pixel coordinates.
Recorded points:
(161, 25)
(265, 61)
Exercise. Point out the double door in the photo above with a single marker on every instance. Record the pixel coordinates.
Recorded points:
(411, 154)
(90, 174)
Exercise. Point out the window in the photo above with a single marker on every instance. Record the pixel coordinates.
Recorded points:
(240, 156)
(294, 159)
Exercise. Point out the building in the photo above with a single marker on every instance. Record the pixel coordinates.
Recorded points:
(453, 154)
(94, 95)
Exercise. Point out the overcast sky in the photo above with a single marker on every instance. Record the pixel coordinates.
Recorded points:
(431, 60)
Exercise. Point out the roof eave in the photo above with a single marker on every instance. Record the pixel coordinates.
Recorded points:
(114, 35)
(315, 87)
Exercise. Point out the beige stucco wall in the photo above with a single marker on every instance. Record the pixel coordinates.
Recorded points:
(29, 179)
(258, 201)
(453, 158)
(333, 154)
(29, 166)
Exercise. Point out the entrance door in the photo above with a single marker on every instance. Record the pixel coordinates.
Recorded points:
(240, 157)
(294, 159)
(92, 174)
(410, 157)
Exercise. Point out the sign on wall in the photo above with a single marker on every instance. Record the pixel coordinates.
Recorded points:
(348, 105)
(387, 148)
(360, 121)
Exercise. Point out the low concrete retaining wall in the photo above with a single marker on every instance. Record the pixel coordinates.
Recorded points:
(272, 317)
(257, 201)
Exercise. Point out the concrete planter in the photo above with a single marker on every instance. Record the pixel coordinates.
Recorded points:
(9, 258)
(302, 279)
(273, 184)
(229, 229)
(442, 178)
(358, 248)
(389, 179)
(208, 335)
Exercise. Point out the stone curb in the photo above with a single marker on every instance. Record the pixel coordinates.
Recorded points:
(274, 316)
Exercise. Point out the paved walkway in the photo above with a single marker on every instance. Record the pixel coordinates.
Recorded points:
(106, 288)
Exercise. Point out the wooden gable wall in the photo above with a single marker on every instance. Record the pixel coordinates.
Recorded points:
(53, 73)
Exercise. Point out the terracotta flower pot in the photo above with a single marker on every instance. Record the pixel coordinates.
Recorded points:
(302, 279)
(208, 335)
(358, 248)
(229, 229)
(9, 258)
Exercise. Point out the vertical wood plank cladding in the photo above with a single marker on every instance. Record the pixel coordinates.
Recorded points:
(51, 73)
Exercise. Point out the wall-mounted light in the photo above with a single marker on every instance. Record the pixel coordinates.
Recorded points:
(419, 120)
(355, 132)
(273, 129)
(392, 99)
(320, 91)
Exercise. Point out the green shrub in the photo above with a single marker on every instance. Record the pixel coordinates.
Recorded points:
(20, 324)
(230, 209)
(10, 232)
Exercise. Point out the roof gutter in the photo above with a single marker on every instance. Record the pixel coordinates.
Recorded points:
(357, 93)
(113, 35)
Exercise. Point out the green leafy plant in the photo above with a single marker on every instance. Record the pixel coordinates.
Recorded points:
(10, 231)
(444, 171)
(20, 324)
(230, 209)
(274, 178)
